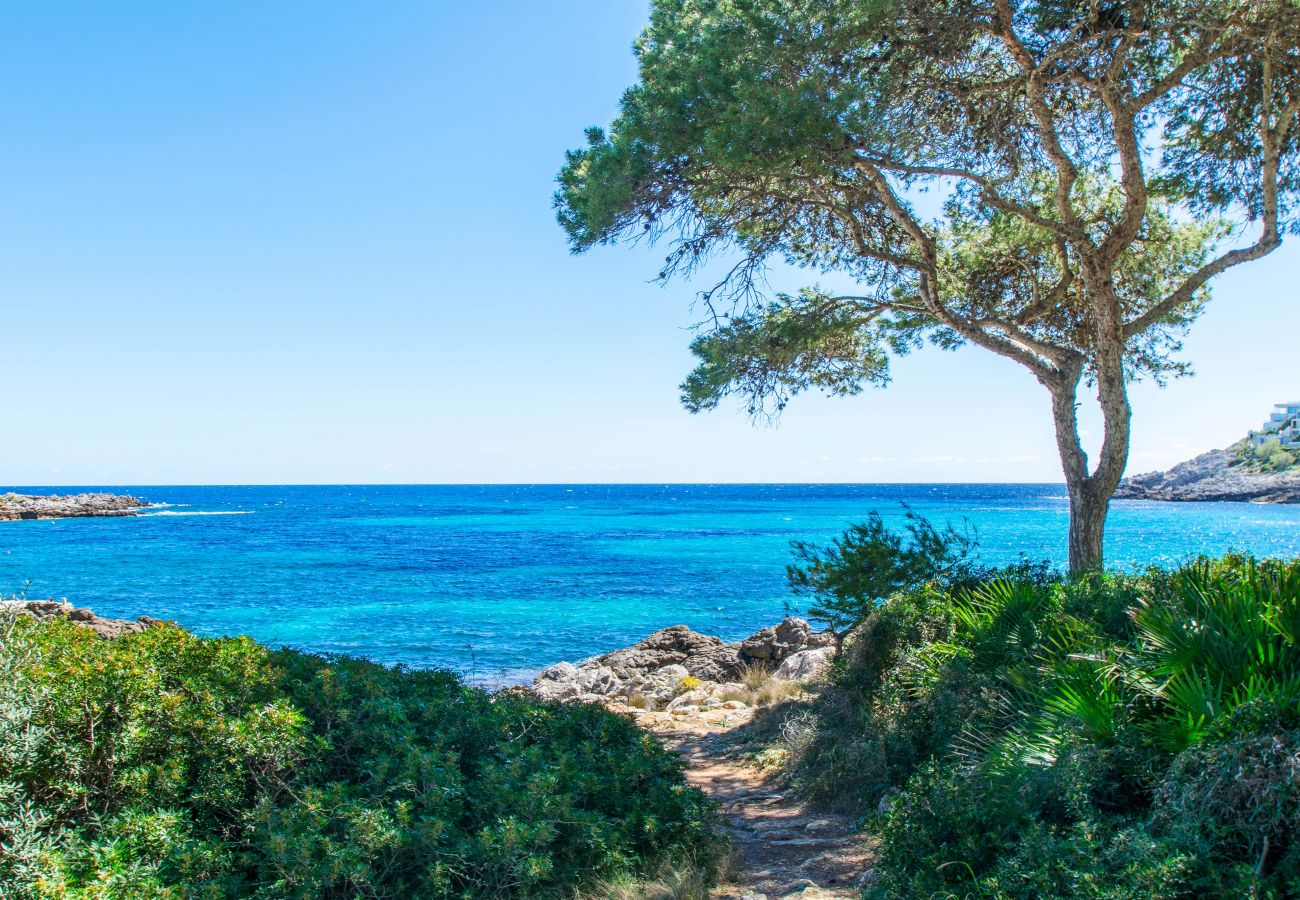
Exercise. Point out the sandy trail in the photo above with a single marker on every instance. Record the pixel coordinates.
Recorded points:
(783, 848)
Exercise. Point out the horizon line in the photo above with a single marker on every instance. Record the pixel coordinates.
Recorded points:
(106, 484)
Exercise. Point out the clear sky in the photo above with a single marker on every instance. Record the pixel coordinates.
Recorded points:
(312, 242)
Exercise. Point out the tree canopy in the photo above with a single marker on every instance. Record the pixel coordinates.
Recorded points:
(1093, 165)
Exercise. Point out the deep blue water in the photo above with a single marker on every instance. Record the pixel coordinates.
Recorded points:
(497, 580)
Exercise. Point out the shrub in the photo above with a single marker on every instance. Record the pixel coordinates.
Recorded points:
(1270, 456)
(1239, 791)
(687, 683)
(161, 764)
(871, 561)
(1019, 735)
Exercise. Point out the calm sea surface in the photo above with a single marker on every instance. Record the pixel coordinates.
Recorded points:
(496, 581)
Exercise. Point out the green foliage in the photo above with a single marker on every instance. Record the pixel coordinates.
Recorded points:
(871, 561)
(782, 348)
(800, 131)
(1111, 736)
(1269, 456)
(165, 765)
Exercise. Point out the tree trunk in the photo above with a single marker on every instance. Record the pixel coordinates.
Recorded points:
(1088, 508)
(1090, 493)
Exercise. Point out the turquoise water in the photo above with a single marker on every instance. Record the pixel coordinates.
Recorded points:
(497, 581)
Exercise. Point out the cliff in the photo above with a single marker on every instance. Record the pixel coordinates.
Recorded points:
(1214, 476)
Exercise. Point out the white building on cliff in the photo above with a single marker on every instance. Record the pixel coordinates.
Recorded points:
(1284, 425)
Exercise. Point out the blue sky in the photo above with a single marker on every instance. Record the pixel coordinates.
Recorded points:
(300, 243)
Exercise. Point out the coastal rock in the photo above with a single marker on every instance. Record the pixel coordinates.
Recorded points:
(1212, 476)
(46, 610)
(565, 681)
(24, 506)
(773, 645)
(661, 684)
(717, 664)
(700, 696)
(657, 667)
(806, 665)
(702, 655)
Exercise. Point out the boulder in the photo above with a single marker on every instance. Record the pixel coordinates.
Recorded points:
(654, 667)
(772, 645)
(668, 646)
(699, 696)
(565, 681)
(806, 665)
(662, 684)
(721, 663)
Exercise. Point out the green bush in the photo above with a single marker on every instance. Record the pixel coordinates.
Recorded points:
(871, 561)
(1015, 735)
(165, 765)
(1269, 456)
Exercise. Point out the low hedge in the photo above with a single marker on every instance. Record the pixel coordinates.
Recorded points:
(165, 765)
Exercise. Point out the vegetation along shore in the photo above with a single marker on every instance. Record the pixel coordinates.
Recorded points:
(69, 506)
(138, 761)
(953, 730)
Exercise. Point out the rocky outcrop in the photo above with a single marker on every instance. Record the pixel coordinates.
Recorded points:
(773, 645)
(1213, 476)
(71, 506)
(45, 610)
(677, 660)
(806, 665)
(701, 655)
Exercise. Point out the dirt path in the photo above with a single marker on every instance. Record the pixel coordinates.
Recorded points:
(783, 849)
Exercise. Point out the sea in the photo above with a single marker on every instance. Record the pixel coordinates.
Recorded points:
(497, 581)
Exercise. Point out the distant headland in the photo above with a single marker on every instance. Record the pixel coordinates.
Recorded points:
(1263, 467)
(70, 506)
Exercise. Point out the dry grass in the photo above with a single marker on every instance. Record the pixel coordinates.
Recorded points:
(741, 694)
(755, 675)
(775, 691)
(761, 688)
(638, 700)
(690, 881)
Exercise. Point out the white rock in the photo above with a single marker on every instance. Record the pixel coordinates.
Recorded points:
(806, 664)
(565, 681)
(696, 697)
(661, 685)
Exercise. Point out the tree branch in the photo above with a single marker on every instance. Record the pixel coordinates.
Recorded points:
(987, 186)
(1067, 172)
(1269, 239)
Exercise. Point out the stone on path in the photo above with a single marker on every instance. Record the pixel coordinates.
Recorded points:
(784, 849)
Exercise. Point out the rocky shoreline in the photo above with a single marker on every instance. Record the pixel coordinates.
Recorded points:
(46, 610)
(697, 695)
(678, 668)
(671, 668)
(1212, 476)
(71, 506)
